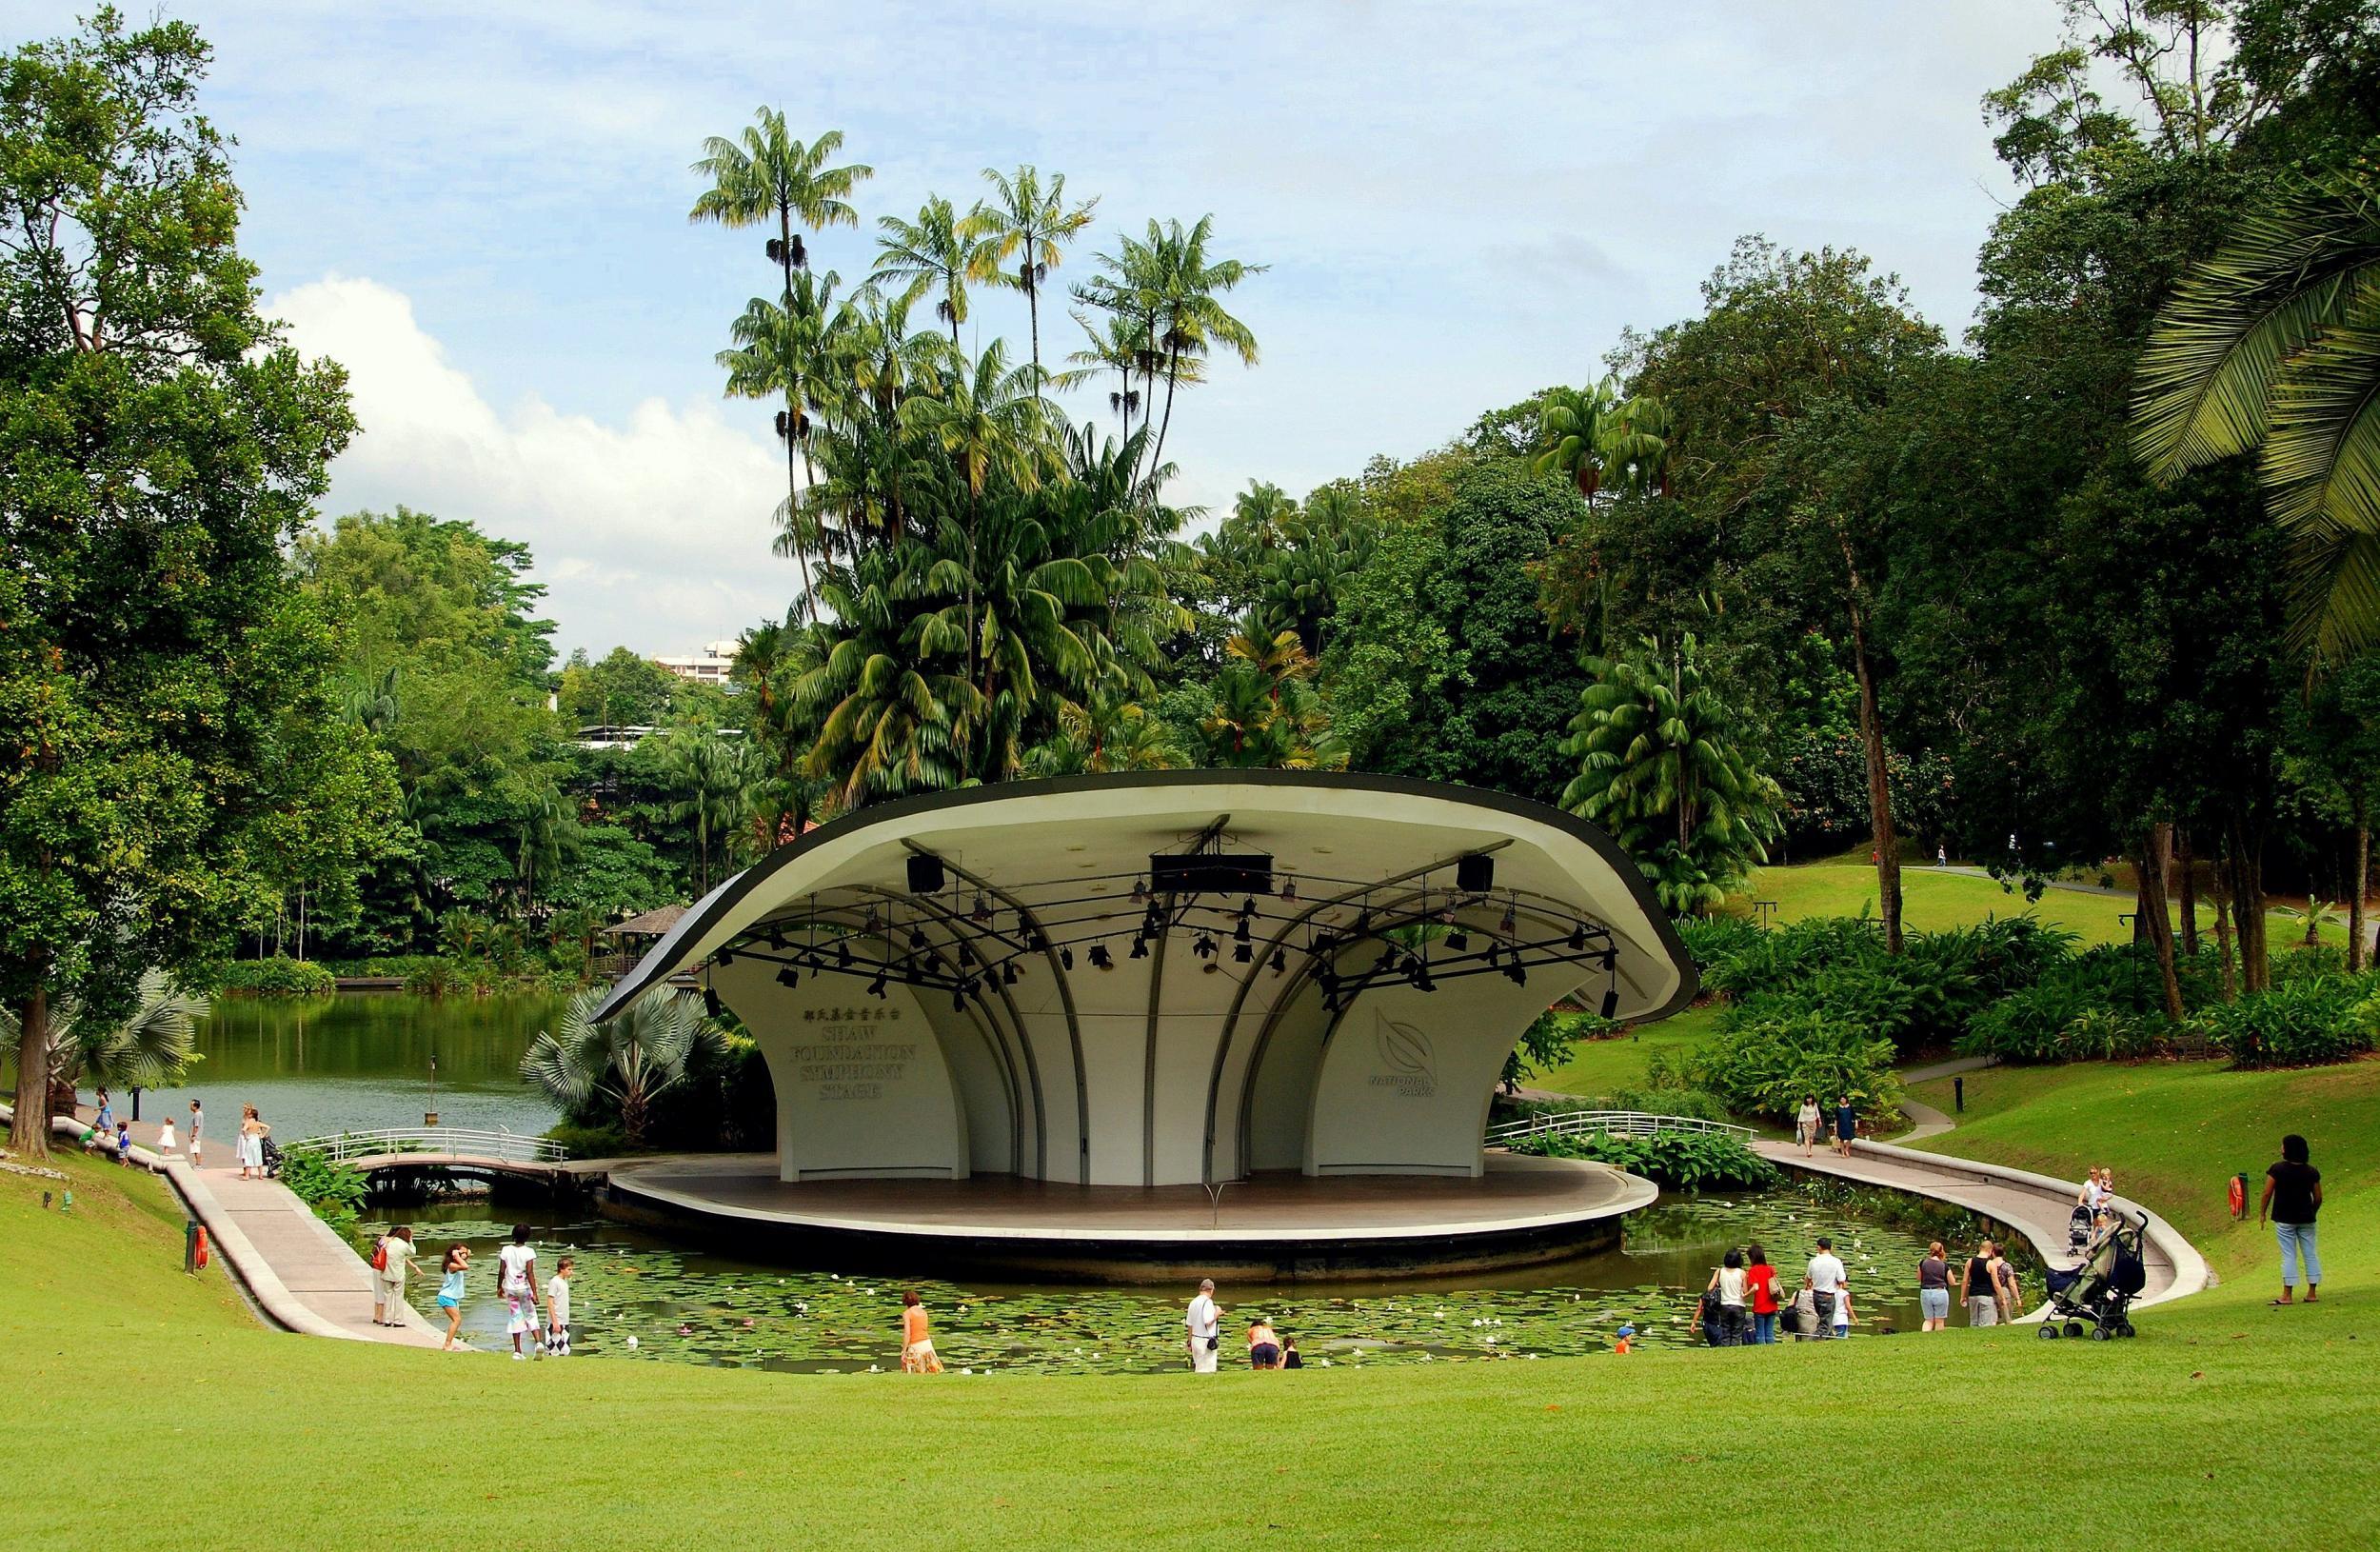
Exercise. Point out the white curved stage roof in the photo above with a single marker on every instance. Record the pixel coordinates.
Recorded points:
(1166, 978)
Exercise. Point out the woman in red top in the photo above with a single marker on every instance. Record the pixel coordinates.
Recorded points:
(1760, 1284)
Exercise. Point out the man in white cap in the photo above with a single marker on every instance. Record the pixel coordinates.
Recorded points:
(1205, 1322)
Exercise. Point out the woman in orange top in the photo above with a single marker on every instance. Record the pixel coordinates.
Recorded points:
(916, 1348)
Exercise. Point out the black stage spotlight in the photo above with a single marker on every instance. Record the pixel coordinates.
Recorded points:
(1515, 974)
(1421, 980)
(1281, 961)
(1578, 936)
(788, 977)
(1457, 940)
(1611, 1001)
(1247, 907)
(1009, 973)
(1241, 953)
(1205, 947)
(1100, 958)
(958, 999)
(1289, 891)
(710, 1003)
(926, 875)
(877, 985)
(1065, 959)
(983, 911)
(1505, 926)
(843, 954)
(874, 921)
(1240, 930)
(776, 938)
(917, 940)
(726, 959)
(1139, 946)
(1474, 874)
(1139, 892)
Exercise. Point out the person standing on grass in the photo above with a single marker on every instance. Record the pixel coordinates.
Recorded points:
(1203, 1321)
(1843, 1316)
(1760, 1279)
(198, 1125)
(2004, 1290)
(1846, 1125)
(395, 1254)
(1806, 1125)
(1825, 1276)
(917, 1343)
(1934, 1288)
(1976, 1288)
(1729, 1284)
(450, 1292)
(2292, 1196)
(517, 1281)
(557, 1311)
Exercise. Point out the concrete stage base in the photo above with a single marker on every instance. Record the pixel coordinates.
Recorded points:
(1267, 1228)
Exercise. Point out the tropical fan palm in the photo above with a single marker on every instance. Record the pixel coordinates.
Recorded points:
(1027, 223)
(940, 250)
(630, 1059)
(151, 1048)
(1657, 768)
(2275, 343)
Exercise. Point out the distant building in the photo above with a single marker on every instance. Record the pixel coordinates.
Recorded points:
(710, 668)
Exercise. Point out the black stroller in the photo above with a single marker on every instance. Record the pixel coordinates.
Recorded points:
(2096, 1293)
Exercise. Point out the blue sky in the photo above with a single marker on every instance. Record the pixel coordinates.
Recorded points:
(481, 210)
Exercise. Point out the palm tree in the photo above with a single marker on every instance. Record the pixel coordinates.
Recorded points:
(988, 421)
(1027, 223)
(939, 252)
(785, 348)
(1115, 344)
(765, 175)
(1191, 323)
(2275, 343)
(151, 1048)
(715, 777)
(632, 1058)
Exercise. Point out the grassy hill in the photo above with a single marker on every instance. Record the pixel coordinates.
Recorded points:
(150, 1404)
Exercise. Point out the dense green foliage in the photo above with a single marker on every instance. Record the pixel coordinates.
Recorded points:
(1686, 1161)
(278, 976)
(336, 1192)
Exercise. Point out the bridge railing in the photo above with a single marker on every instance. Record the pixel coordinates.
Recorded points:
(433, 1142)
(1617, 1123)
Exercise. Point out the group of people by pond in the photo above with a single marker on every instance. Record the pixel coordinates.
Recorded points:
(1203, 1322)
(537, 1319)
(1745, 1306)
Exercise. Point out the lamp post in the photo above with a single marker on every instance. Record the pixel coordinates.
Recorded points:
(429, 1117)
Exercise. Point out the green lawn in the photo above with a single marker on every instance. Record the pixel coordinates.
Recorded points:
(1604, 1066)
(1933, 900)
(147, 1404)
(2176, 1131)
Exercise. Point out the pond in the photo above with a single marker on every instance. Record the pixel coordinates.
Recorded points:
(361, 1061)
(677, 1303)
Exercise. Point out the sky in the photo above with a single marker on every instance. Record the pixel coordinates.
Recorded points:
(480, 211)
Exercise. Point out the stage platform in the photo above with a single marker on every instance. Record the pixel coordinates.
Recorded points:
(1268, 1226)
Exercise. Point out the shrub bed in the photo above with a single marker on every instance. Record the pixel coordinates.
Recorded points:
(278, 977)
(1681, 1159)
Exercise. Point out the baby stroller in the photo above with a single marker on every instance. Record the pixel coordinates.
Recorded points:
(2096, 1295)
(272, 1151)
(2079, 1228)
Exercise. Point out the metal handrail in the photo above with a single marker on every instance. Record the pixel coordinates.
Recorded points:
(1617, 1123)
(451, 1142)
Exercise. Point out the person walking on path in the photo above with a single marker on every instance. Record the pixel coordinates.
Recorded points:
(1760, 1278)
(1204, 1322)
(106, 1117)
(198, 1125)
(1846, 1125)
(1934, 1289)
(1806, 1125)
(1825, 1275)
(1728, 1282)
(917, 1342)
(450, 1292)
(2292, 1197)
(1983, 1302)
(517, 1281)
(393, 1261)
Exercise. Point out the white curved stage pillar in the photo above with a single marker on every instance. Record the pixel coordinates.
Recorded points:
(1166, 978)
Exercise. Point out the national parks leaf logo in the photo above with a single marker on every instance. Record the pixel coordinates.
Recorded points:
(1406, 1050)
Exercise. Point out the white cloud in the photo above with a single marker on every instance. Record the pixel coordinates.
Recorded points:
(653, 531)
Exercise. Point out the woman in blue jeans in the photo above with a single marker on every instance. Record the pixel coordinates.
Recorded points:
(2292, 1197)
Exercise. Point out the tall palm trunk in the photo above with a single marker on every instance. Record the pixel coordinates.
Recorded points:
(793, 418)
(2151, 859)
(2189, 896)
(1887, 857)
(1173, 374)
(29, 1132)
(1033, 323)
(2355, 884)
(2222, 888)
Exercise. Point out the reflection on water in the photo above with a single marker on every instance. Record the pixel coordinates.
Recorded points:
(358, 1062)
(688, 1306)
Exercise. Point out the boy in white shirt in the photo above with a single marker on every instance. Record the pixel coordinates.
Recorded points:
(557, 1311)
